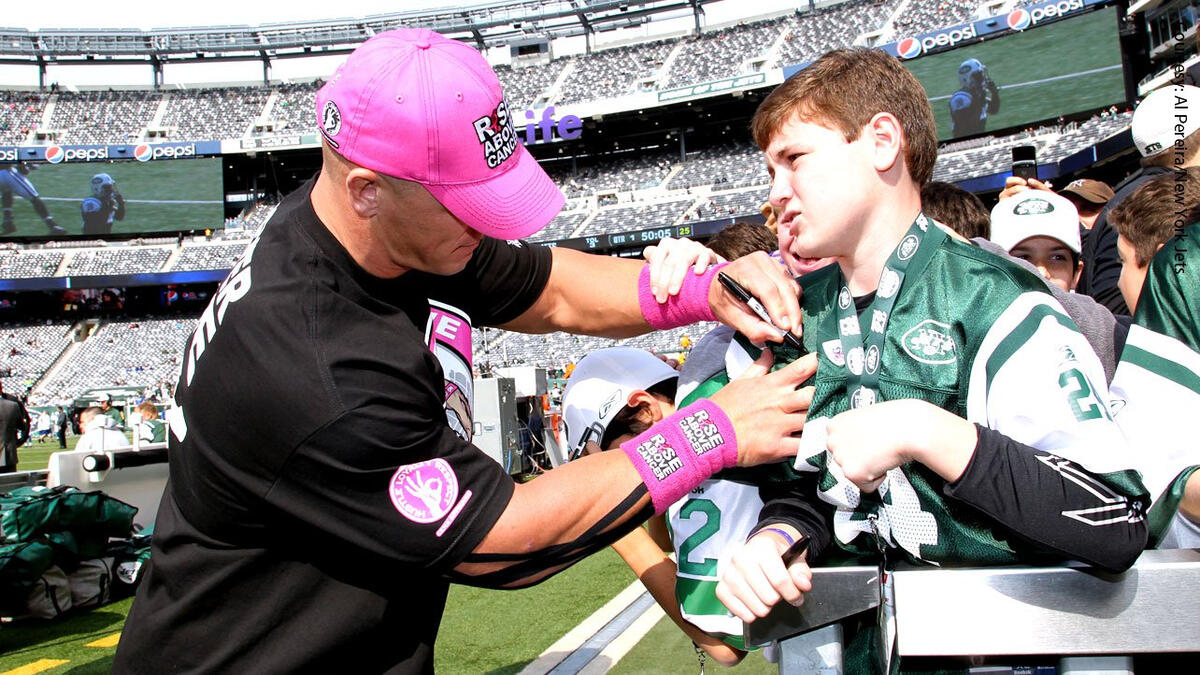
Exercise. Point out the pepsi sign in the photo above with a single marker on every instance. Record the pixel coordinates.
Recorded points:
(1020, 19)
(56, 154)
(913, 47)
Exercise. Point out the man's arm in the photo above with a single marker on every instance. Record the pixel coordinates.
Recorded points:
(602, 295)
(588, 504)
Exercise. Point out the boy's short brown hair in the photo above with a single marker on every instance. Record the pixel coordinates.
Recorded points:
(961, 210)
(1157, 209)
(843, 90)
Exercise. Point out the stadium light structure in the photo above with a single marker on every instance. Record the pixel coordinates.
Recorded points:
(484, 26)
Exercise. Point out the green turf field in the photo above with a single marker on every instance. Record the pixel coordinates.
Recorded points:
(158, 195)
(1042, 72)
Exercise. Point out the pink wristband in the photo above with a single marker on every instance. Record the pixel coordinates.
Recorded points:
(683, 309)
(681, 451)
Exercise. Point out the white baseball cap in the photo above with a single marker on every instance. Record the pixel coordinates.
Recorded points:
(600, 386)
(1035, 213)
(1155, 119)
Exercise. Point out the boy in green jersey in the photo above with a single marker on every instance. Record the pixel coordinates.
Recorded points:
(959, 416)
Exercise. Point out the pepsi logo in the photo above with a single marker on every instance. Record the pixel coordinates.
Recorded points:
(55, 154)
(908, 48)
(143, 153)
(1019, 19)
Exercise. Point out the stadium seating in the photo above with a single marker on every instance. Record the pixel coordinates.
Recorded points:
(808, 35)
(727, 166)
(636, 216)
(122, 353)
(614, 72)
(724, 53)
(207, 257)
(295, 107)
(20, 113)
(28, 350)
(100, 117)
(16, 263)
(615, 175)
(922, 17)
(204, 114)
(123, 260)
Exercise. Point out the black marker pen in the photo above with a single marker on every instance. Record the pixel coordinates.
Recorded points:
(755, 306)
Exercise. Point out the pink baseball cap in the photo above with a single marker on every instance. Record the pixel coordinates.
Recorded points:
(421, 107)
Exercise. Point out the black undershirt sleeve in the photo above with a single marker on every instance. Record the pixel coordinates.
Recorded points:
(1051, 502)
(796, 504)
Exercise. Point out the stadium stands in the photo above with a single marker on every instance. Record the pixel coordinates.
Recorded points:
(29, 350)
(614, 72)
(20, 113)
(207, 257)
(138, 353)
(123, 260)
(99, 117)
(727, 166)
(725, 53)
(922, 17)
(204, 114)
(636, 216)
(294, 107)
(630, 173)
(16, 263)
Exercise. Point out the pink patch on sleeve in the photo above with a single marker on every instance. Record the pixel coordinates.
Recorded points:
(424, 492)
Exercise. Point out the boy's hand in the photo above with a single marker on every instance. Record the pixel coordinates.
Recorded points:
(868, 442)
(757, 579)
(670, 260)
(768, 411)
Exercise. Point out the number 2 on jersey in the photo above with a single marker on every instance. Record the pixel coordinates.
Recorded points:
(1079, 393)
(712, 523)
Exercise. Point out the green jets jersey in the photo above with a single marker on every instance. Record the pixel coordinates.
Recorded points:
(1156, 389)
(707, 526)
(978, 336)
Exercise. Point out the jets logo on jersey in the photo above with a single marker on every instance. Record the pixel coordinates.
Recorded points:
(889, 283)
(930, 342)
(844, 299)
(908, 247)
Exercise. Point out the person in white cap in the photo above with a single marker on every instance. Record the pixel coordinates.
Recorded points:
(1164, 128)
(323, 490)
(615, 394)
(1042, 228)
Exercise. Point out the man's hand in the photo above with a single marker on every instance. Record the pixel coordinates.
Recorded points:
(1015, 185)
(669, 261)
(868, 442)
(768, 411)
(766, 280)
(756, 578)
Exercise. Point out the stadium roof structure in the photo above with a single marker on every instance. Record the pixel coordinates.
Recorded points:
(486, 25)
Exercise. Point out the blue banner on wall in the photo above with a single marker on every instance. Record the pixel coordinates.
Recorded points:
(142, 152)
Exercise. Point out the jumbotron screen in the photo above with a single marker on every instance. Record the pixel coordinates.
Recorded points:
(1041, 73)
(118, 199)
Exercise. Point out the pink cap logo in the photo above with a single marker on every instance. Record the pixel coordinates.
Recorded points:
(496, 135)
(331, 122)
(424, 492)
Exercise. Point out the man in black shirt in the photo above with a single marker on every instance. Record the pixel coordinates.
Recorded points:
(323, 490)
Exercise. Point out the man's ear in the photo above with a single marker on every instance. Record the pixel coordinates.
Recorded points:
(362, 191)
(888, 139)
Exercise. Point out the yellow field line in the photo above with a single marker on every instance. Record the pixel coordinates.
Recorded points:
(36, 667)
(105, 642)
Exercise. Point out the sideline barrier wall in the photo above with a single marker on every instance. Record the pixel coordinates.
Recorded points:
(136, 477)
(1069, 610)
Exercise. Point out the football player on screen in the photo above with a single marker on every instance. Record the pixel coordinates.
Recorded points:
(105, 204)
(976, 98)
(13, 181)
